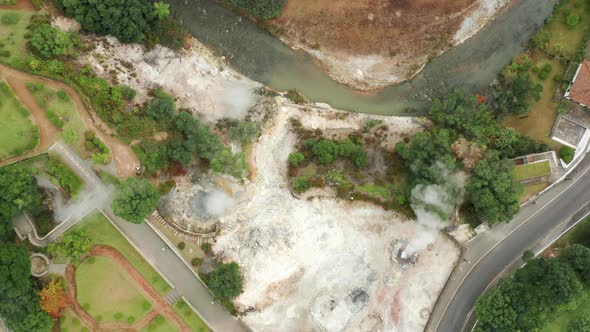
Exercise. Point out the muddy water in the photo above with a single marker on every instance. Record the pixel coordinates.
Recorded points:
(264, 58)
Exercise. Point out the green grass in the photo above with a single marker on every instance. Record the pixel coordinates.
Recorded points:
(102, 232)
(579, 234)
(69, 322)
(533, 189)
(528, 171)
(540, 119)
(17, 133)
(159, 324)
(61, 111)
(562, 39)
(568, 313)
(190, 317)
(375, 190)
(108, 291)
(12, 38)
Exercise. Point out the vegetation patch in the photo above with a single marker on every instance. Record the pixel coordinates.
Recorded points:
(70, 322)
(101, 231)
(529, 171)
(12, 36)
(189, 317)
(63, 177)
(17, 132)
(159, 324)
(108, 290)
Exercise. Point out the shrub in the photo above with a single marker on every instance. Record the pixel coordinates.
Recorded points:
(167, 32)
(146, 305)
(181, 245)
(543, 75)
(572, 20)
(62, 95)
(301, 184)
(265, 9)
(130, 319)
(10, 18)
(196, 261)
(127, 92)
(66, 178)
(5, 53)
(225, 282)
(295, 96)
(51, 42)
(567, 154)
(207, 248)
(118, 315)
(296, 158)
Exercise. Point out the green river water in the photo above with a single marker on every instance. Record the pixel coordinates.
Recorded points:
(264, 58)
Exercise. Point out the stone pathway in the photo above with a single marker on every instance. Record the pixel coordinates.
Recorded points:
(59, 269)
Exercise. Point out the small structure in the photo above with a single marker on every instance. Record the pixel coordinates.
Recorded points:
(39, 265)
(570, 132)
(579, 89)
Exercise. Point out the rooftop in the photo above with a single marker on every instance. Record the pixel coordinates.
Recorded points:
(580, 87)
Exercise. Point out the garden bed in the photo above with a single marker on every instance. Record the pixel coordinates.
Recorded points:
(529, 171)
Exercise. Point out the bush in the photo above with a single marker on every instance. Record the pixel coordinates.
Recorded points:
(66, 178)
(5, 53)
(130, 319)
(206, 247)
(10, 18)
(265, 9)
(295, 96)
(146, 305)
(167, 32)
(567, 154)
(127, 92)
(196, 261)
(301, 184)
(225, 282)
(296, 158)
(572, 20)
(51, 42)
(62, 95)
(543, 75)
(181, 245)
(118, 315)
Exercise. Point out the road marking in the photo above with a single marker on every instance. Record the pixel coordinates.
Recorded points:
(504, 239)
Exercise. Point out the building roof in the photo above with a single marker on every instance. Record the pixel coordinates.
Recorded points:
(580, 89)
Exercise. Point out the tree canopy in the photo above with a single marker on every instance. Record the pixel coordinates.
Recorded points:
(265, 9)
(19, 302)
(128, 20)
(135, 200)
(492, 188)
(72, 245)
(19, 193)
(225, 282)
(162, 107)
(51, 42)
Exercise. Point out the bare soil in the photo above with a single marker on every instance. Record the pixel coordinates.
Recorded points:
(369, 44)
(20, 5)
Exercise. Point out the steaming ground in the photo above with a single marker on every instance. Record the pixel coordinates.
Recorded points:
(323, 264)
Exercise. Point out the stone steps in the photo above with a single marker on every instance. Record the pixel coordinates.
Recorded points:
(59, 269)
(172, 297)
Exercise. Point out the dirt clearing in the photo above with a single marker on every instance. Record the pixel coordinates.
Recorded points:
(369, 44)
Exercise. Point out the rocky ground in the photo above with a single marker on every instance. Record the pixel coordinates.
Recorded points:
(370, 44)
(324, 264)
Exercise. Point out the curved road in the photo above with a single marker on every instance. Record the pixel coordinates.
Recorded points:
(499, 250)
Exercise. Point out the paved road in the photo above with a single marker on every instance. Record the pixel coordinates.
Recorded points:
(499, 250)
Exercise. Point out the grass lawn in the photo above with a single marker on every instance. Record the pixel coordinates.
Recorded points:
(12, 38)
(563, 39)
(579, 234)
(17, 132)
(159, 324)
(69, 322)
(61, 110)
(102, 232)
(533, 189)
(107, 292)
(540, 119)
(522, 172)
(375, 190)
(190, 317)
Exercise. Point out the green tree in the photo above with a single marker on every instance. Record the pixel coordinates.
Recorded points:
(466, 115)
(167, 32)
(496, 309)
(19, 302)
(51, 42)
(225, 282)
(296, 158)
(243, 131)
(162, 107)
(581, 324)
(128, 20)
(72, 245)
(161, 10)
(229, 163)
(492, 188)
(515, 94)
(19, 193)
(153, 155)
(135, 200)
(578, 257)
(428, 155)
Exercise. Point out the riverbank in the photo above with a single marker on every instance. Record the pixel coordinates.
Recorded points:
(369, 46)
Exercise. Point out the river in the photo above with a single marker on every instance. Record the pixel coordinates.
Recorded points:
(264, 58)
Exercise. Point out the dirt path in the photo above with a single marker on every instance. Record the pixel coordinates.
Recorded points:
(161, 307)
(48, 133)
(24, 5)
(125, 159)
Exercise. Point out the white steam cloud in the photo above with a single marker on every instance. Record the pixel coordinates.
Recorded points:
(217, 202)
(78, 207)
(433, 205)
(237, 98)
